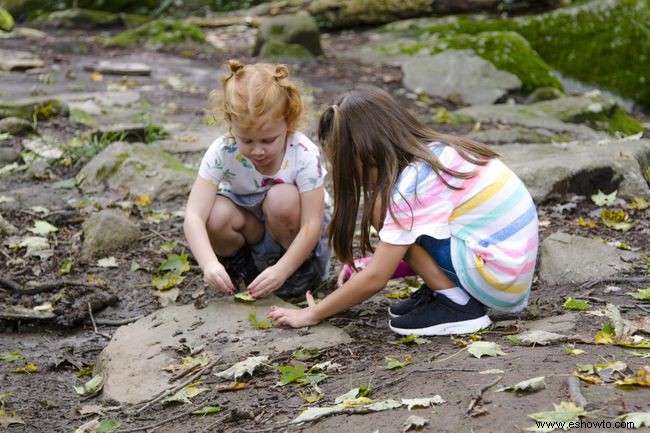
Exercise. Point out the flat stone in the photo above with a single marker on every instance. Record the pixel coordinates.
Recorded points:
(567, 259)
(564, 323)
(133, 360)
(120, 68)
(19, 60)
(458, 75)
(580, 167)
(182, 140)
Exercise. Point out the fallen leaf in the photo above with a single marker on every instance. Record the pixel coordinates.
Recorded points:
(639, 203)
(641, 378)
(96, 76)
(108, 262)
(43, 228)
(89, 427)
(414, 422)
(264, 324)
(108, 426)
(11, 356)
(237, 386)
(167, 297)
(167, 281)
(573, 351)
(412, 339)
(485, 348)
(526, 386)
(175, 263)
(311, 398)
(563, 413)
(394, 363)
(206, 410)
(587, 378)
(422, 402)
(639, 419)
(576, 304)
(241, 368)
(305, 354)
(357, 402)
(602, 199)
(360, 391)
(641, 294)
(244, 297)
(540, 337)
(616, 219)
(90, 387)
(28, 368)
(36, 246)
(184, 394)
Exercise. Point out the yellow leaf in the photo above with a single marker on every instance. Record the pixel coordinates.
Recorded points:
(586, 223)
(234, 387)
(96, 76)
(143, 200)
(641, 378)
(357, 402)
(29, 368)
(603, 338)
(586, 377)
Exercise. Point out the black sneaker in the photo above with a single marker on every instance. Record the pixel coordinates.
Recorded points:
(305, 278)
(421, 296)
(241, 268)
(442, 317)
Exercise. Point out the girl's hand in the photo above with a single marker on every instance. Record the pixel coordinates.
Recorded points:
(296, 318)
(215, 276)
(267, 282)
(344, 275)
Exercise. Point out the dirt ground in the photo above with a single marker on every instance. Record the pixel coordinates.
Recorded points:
(62, 347)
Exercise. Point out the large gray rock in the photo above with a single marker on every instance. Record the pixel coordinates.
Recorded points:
(291, 29)
(567, 259)
(107, 231)
(581, 167)
(36, 107)
(16, 125)
(19, 60)
(120, 68)
(458, 75)
(134, 359)
(142, 169)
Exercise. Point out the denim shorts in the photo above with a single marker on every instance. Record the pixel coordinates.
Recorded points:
(267, 247)
(440, 251)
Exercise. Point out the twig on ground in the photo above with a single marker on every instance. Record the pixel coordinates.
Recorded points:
(428, 370)
(180, 386)
(162, 422)
(478, 395)
(118, 322)
(574, 392)
(45, 287)
(92, 319)
(592, 283)
(10, 284)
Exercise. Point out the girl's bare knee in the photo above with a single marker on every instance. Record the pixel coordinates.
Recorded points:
(282, 204)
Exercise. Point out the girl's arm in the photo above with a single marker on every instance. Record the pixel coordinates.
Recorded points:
(312, 205)
(356, 290)
(199, 206)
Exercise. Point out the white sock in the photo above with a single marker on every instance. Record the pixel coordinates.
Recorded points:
(456, 294)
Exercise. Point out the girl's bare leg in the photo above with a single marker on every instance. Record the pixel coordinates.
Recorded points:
(426, 267)
(230, 226)
(282, 213)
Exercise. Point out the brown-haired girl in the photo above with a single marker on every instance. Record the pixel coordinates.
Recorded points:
(448, 206)
(256, 214)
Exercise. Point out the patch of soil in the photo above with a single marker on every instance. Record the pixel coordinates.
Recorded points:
(64, 346)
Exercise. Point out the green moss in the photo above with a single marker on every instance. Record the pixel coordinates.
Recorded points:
(34, 109)
(164, 31)
(507, 51)
(105, 172)
(604, 43)
(175, 164)
(79, 17)
(6, 20)
(277, 50)
(619, 121)
(337, 13)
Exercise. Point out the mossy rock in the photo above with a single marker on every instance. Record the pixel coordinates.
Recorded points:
(603, 42)
(507, 51)
(296, 29)
(350, 13)
(164, 31)
(544, 94)
(597, 112)
(34, 108)
(79, 18)
(28, 9)
(282, 52)
(6, 20)
(16, 126)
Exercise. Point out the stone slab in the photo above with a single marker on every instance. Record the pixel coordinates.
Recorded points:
(133, 360)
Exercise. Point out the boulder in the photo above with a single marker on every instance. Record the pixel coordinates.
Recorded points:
(296, 29)
(142, 169)
(566, 259)
(281, 52)
(458, 75)
(11, 60)
(107, 231)
(16, 126)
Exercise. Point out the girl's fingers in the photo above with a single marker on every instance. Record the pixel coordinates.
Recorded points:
(310, 299)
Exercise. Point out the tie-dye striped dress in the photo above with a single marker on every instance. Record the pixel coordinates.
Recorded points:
(491, 220)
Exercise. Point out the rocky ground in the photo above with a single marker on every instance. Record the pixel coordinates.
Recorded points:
(47, 351)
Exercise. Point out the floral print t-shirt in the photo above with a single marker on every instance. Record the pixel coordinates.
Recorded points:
(225, 166)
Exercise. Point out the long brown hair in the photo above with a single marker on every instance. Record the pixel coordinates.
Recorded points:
(367, 128)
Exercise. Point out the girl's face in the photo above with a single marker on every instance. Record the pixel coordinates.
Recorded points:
(262, 144)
